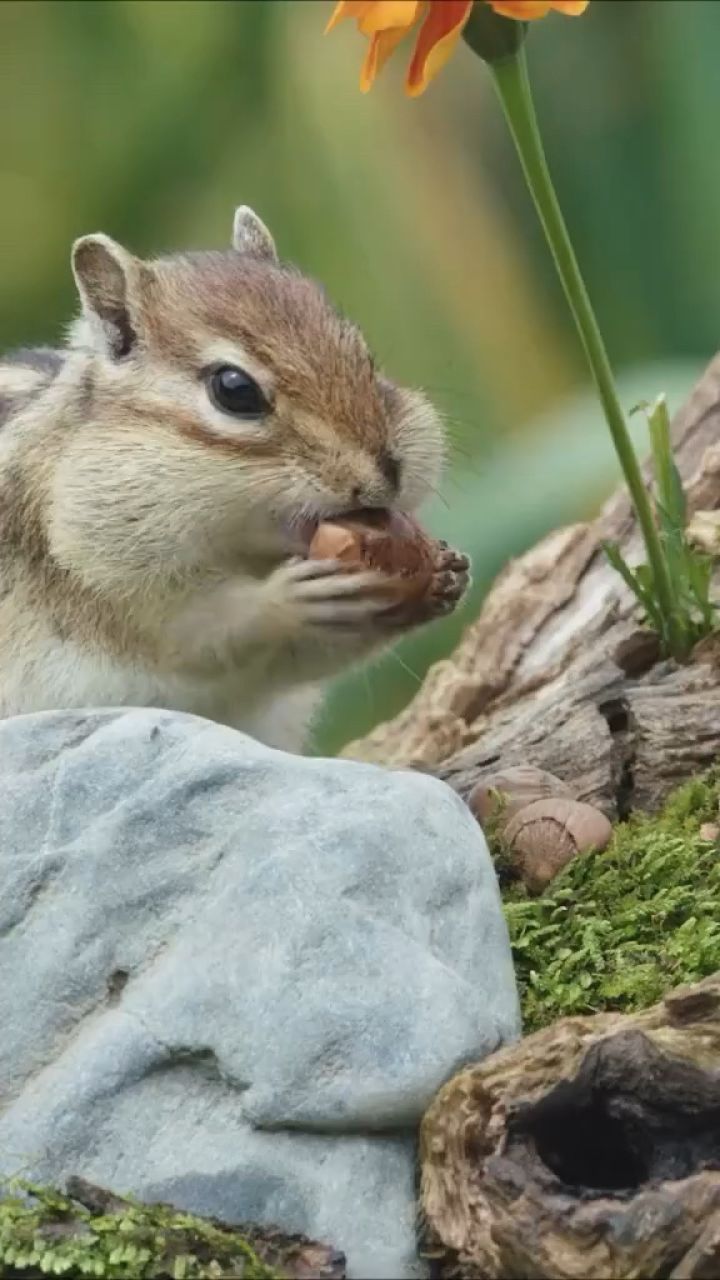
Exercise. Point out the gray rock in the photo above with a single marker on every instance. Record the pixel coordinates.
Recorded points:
(232, 978)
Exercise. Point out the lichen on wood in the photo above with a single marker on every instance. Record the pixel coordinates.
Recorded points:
(93, 1232)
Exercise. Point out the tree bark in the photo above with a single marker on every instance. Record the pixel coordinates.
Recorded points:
(557, 672)
(588, 1150)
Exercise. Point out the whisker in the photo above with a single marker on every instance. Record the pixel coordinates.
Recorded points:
(405, 666)
(434, 389)
(369, 690)
(458, 450)
(457, 427)
(438, 494)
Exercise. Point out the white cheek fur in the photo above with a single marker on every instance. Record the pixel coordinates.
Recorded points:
(419, 441)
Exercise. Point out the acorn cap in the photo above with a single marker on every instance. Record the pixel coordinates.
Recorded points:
(515, 787)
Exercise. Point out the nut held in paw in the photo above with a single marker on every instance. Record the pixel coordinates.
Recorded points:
(389, 542)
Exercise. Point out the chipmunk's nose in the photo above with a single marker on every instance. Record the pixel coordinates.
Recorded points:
(382, 484)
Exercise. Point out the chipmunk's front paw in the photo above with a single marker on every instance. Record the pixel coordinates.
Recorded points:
(448, 586)
(327, 595)
(451, 579)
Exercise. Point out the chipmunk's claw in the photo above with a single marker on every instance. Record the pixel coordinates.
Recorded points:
(449, 584)
(455, 561)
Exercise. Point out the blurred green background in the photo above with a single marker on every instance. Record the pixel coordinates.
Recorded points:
(152, 119)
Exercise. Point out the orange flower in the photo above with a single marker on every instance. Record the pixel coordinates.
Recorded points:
(387, 22)
(526, 10)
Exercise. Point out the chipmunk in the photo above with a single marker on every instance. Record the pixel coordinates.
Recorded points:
(161, 477)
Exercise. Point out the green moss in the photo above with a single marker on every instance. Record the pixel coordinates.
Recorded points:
(617, 929)
(45, 1233)
(493, 831)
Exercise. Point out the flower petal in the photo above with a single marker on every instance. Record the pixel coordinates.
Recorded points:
(523, 10)
(384, 15)
(382, 45)
(573, 8)
(438, 37)
(526, 10)
(348, 9)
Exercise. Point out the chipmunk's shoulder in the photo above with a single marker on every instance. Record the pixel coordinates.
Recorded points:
(23, 372)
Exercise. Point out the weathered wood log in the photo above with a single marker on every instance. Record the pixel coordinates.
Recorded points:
(556, 672)
(590, 1149)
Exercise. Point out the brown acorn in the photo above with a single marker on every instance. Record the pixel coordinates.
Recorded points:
(543, 836)
(511, 789)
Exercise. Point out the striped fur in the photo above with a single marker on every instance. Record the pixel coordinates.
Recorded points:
(147, 538)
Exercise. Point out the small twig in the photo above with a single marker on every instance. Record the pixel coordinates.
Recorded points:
(94, 1198)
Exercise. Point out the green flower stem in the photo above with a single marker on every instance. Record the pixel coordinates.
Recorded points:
(513, 85)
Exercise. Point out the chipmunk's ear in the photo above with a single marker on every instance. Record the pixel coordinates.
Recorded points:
(251, 236)
(108, 280)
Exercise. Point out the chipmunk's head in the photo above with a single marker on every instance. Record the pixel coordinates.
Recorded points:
(229, 406)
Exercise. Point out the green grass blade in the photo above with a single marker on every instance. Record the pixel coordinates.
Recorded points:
(671, 497)
(639, 582)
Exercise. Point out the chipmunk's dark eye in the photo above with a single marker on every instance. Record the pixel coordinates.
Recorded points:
(236, 392)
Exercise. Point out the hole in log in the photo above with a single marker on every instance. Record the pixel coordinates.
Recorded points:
(585, 1145)
(632, 1116)
(616, 715)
